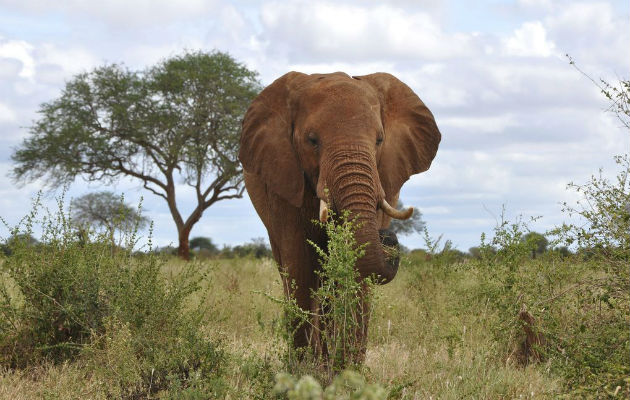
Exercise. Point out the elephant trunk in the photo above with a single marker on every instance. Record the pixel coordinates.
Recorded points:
(354, 186)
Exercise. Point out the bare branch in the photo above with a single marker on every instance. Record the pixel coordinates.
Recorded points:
(145, 178)
(149, 188)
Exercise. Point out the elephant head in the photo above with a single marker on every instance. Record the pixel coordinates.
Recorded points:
(350, 142)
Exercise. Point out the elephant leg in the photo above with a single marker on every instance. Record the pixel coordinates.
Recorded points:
(291, 290)
(298, 263)
(298, 281)
(362, 329)
(288, 228)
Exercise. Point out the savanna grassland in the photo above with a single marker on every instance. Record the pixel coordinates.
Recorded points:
(428, 338)
(84, 317)
(439, 330)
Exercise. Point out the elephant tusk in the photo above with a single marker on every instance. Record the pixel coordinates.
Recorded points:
(323, 211)
(394, 213)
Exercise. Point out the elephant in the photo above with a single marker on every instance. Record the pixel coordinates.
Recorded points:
(316, 143)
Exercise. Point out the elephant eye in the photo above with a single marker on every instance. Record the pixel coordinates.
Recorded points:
(312, 139)
(379, 140)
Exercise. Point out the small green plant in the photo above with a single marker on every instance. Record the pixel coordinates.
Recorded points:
(347, 385)
(512, 242)
(442, 258)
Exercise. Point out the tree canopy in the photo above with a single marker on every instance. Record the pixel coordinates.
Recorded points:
(205, 243)
(177, 120)
(537, 243)
(106, 210)
(408, 226)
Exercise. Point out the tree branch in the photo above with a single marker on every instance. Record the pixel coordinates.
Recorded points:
(146, 186)
(145, 178)
(216, 196)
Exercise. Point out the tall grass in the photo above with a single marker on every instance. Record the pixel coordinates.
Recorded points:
(432, 334)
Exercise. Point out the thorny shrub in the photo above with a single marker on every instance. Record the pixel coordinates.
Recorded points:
(85, 298)
(344, 302)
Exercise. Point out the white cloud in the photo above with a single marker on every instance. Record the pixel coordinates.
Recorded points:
(406, 4)
(45, 62)
(513, 85)
(10, 68)
(352, 69)
(465, 172)
(21, 51)
(437, 210)
(592, 32)
(120, 13)
(530, 40)
(71, 59)
(495, 124)
(581, 16)
(324, 30)
(233, 22)
(544, 4)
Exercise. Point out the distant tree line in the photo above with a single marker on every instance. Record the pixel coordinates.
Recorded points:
(203, 247)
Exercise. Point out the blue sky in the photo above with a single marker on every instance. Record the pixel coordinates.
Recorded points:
(518, 122)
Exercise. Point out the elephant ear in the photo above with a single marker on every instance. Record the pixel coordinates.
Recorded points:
(411, 134)
(265, 146)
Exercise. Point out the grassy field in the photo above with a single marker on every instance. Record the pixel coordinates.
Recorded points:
(424, 341)
(438, 331)
(81, 317)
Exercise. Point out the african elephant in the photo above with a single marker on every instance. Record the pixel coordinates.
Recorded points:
(311, 143)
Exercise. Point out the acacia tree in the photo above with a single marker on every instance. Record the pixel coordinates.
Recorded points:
(204, 243)
(107, 211)
(408, 226)
(178, 120)
(537, 242)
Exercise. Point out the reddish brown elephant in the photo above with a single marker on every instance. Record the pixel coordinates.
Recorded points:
(358, 137)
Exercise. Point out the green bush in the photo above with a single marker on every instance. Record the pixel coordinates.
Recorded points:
(604, 209)
(88, 299)
(347, 385)
(344, 299)
(442, 259)
(572, 310)
(344, 306)
(257, 248)
(596, 355)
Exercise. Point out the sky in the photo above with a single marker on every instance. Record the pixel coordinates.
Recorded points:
(518, 122)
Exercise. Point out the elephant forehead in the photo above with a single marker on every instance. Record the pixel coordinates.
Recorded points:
(339, 100)
(337, 88)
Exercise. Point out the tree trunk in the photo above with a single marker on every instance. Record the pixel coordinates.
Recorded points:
(183, 251)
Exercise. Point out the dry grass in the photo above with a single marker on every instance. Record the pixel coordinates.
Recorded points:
(66, 381)
(424, 341)
(420, 339)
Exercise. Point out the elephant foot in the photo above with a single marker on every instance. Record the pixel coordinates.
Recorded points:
(391, 248)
